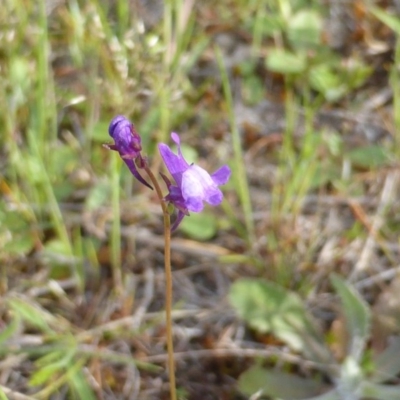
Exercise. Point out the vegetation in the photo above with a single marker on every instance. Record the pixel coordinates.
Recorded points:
(287, 291)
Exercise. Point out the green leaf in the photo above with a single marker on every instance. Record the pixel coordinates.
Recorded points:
(331, 395)
(357, 315)
(81, 387)
(269, 308)
(16, 236)
(323, 79)
(56, 254)
(356, 73)
(47, 373)
(200, 226)
(34, 315)
(304, 29)
(14, 220)
(387, 363)
(276, 384)
(51, 366)
(325, 174)
(267, 24)
(371, 390)
(373, 156)
(285, 62)
(20, 244)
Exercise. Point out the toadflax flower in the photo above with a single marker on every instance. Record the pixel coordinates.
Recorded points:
(194, 185)
(128, 144)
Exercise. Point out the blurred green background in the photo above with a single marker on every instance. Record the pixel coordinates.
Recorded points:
(301, 99)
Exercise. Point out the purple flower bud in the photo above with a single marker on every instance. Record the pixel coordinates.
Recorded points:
(128, 144)
(194, 185)
(127, 141)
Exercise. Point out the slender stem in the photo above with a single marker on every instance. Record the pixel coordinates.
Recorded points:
(168, 281)
(116, 229)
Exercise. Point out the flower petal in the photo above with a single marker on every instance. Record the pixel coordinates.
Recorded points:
(221, 175)
(175, 196)
(214, 197)
(194, 185)
(127, 140)
(113, 124)
(175, 164)
(198, 186)
(177, 140)
(178, 220)
(132, 167)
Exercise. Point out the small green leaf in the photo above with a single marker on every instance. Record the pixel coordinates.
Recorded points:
(267, 307)
(51, 366)
(369, 156)
(304, 28)
(57, 250)
(20, 244)
(57, 255)
(323, 79)
(46, 373)
(331, 395)
(16, 237)
(32, 314)
(285, 62)
(357, 314)
(81, 387)
(325, 174)
(356, 73)
(267, 24)
(14, 220)
(371, 390)
(387, 363)
(276, 384)
(200, 226)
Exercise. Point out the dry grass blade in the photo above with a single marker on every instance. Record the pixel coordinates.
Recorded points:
(386, 199)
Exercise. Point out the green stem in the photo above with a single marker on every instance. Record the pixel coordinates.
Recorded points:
(168, 282)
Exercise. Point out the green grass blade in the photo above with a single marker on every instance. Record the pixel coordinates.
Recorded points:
(239, 172)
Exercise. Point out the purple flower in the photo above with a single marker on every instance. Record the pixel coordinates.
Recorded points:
(128, 144)
(194, 185)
